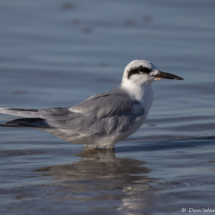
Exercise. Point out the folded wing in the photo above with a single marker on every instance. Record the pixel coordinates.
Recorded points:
(106, 113)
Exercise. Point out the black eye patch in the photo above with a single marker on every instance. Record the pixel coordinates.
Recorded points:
(138, 70)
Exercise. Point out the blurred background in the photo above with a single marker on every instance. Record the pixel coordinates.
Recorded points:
(56, 53)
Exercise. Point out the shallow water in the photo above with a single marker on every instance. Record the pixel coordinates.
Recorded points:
(58, 53)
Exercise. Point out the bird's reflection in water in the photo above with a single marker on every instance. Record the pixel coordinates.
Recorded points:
(100, 176)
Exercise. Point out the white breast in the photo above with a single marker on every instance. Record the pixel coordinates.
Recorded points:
(147, 98)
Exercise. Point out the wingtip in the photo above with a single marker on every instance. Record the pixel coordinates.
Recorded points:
(2, 109)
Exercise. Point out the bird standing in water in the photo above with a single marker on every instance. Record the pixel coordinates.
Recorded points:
(103, 119)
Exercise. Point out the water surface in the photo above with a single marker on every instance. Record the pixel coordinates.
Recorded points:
(58, 53)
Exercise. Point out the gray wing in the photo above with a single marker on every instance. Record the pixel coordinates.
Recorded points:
(105, 113)
(109, 104)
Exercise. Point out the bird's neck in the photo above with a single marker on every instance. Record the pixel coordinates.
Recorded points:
(140, 92)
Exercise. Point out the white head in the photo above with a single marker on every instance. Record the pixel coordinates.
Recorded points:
(142, 72)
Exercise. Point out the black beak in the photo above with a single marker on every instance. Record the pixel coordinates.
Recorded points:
(167, 76)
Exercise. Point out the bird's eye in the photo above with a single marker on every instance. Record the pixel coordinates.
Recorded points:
(145, 70)
(139, 70)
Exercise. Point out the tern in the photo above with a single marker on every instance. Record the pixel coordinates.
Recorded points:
(103, 119)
